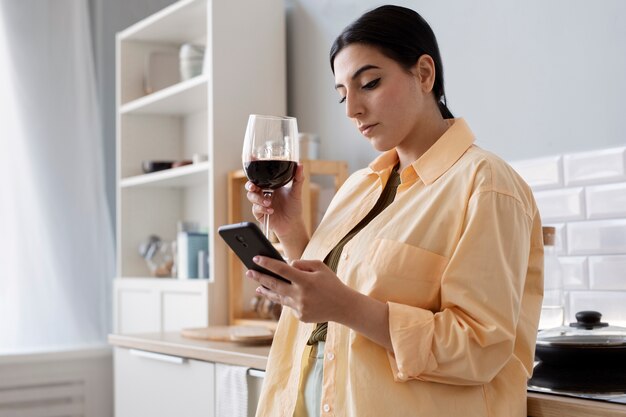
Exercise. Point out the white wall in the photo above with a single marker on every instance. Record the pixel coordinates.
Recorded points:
(532, 77)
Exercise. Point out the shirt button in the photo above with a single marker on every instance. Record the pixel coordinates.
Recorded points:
(344, 256)
(326, 408)
(330, 356)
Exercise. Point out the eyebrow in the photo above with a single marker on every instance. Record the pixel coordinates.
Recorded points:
(359, 72)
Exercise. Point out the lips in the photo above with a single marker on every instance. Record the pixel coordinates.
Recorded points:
(367, 128)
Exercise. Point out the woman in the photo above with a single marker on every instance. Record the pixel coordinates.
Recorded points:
(419, 293)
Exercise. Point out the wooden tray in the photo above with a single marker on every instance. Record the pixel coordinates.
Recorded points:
(249, 335)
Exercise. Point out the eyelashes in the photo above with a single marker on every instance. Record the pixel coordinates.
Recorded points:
(369, 86)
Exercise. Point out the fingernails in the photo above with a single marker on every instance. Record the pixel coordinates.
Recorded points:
(266, 203)
(256, 260)
(249, 274)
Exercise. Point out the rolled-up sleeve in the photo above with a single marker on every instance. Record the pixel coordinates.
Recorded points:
(472, 336)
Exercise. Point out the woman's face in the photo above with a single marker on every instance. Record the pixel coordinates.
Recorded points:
(382, 99)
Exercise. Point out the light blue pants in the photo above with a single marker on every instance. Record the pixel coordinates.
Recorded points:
(310, 392)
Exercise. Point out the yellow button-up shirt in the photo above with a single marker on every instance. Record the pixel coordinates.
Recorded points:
(458, 258)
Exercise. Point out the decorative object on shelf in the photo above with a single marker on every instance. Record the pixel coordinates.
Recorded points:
(309, 145)
(203, 264)
(161, 71)
(190, 242)
(191, 58)
(182, 163)
(158, 255)
(154, 166)
(199, 157)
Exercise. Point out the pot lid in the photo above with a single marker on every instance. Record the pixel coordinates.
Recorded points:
(588, 330)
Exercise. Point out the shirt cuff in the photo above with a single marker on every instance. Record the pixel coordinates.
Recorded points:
(411, 330)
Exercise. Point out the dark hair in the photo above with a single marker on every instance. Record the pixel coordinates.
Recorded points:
(402, 35)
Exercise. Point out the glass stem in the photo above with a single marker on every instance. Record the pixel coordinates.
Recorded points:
(266, 217)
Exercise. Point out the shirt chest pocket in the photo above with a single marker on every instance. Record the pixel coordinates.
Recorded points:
(402, 273)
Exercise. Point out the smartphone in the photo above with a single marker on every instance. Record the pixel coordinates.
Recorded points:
(247, 241)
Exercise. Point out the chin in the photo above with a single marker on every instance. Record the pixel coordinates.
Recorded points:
(380, 144)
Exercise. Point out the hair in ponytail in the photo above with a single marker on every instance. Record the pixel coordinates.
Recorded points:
(402, 35)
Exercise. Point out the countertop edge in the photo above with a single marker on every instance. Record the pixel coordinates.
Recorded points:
(222, 352)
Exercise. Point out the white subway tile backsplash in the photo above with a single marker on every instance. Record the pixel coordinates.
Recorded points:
(559, 205)
(605, 201)
(574, 272)
(583, 195)
(608, 272)
(609, 303)
(599, 237)
(595, 167)
(541, 173)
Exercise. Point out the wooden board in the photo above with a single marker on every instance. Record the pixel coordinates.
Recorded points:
(249, 335)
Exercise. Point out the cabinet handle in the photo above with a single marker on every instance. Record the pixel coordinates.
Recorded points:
(158, 356)
(256, 373)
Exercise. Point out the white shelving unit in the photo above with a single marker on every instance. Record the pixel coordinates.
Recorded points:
(244, 73)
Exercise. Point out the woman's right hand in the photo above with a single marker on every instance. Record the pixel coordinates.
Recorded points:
(284, 206)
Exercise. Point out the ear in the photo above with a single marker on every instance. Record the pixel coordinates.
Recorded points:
(424, 70)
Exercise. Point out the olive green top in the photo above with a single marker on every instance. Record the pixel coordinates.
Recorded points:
(332, 260)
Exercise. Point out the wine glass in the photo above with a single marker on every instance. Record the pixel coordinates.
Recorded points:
(270, 154)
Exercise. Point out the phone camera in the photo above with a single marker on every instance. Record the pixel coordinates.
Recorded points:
(240, 238)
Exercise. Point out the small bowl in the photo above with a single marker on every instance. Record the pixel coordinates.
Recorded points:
(154, 166)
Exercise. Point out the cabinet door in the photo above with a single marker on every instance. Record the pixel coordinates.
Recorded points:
(144, 305)
(155, 385)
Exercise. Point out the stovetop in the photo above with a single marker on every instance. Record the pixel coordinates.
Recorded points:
(580, 381)
(618, 398)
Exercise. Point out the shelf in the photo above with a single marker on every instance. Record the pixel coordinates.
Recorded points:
(184, 176)
(237, 314)
(183, 21)
(183, 98)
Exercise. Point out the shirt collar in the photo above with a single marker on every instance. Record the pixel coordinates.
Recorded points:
(437, 159)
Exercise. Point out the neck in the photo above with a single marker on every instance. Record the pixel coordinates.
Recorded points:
(429, 130)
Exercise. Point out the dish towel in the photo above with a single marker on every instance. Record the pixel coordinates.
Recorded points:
(231, 390)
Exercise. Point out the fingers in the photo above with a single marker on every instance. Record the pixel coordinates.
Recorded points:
(280, 268)
(308, 265)
(270, 283)
(260, 205)
(270, 295)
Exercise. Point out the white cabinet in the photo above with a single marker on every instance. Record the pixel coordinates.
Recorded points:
(244, 73)
(155, 385)
(159, 305)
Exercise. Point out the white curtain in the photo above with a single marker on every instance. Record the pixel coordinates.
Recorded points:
(56, 240)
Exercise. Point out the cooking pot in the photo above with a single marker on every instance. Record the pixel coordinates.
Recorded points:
(587, 356)
(587, 341)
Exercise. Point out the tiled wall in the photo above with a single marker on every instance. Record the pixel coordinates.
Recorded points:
(584, 196)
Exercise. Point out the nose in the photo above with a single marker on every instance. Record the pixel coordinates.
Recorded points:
(354, 105)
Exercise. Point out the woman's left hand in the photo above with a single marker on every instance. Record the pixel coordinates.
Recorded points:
(315, 294)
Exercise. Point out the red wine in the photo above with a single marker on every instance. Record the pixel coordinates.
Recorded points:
(270, 174)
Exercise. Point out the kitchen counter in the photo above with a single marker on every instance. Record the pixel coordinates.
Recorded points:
(539, 405)
(172, 343)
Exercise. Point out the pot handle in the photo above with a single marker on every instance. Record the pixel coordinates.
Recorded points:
(588, 320)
